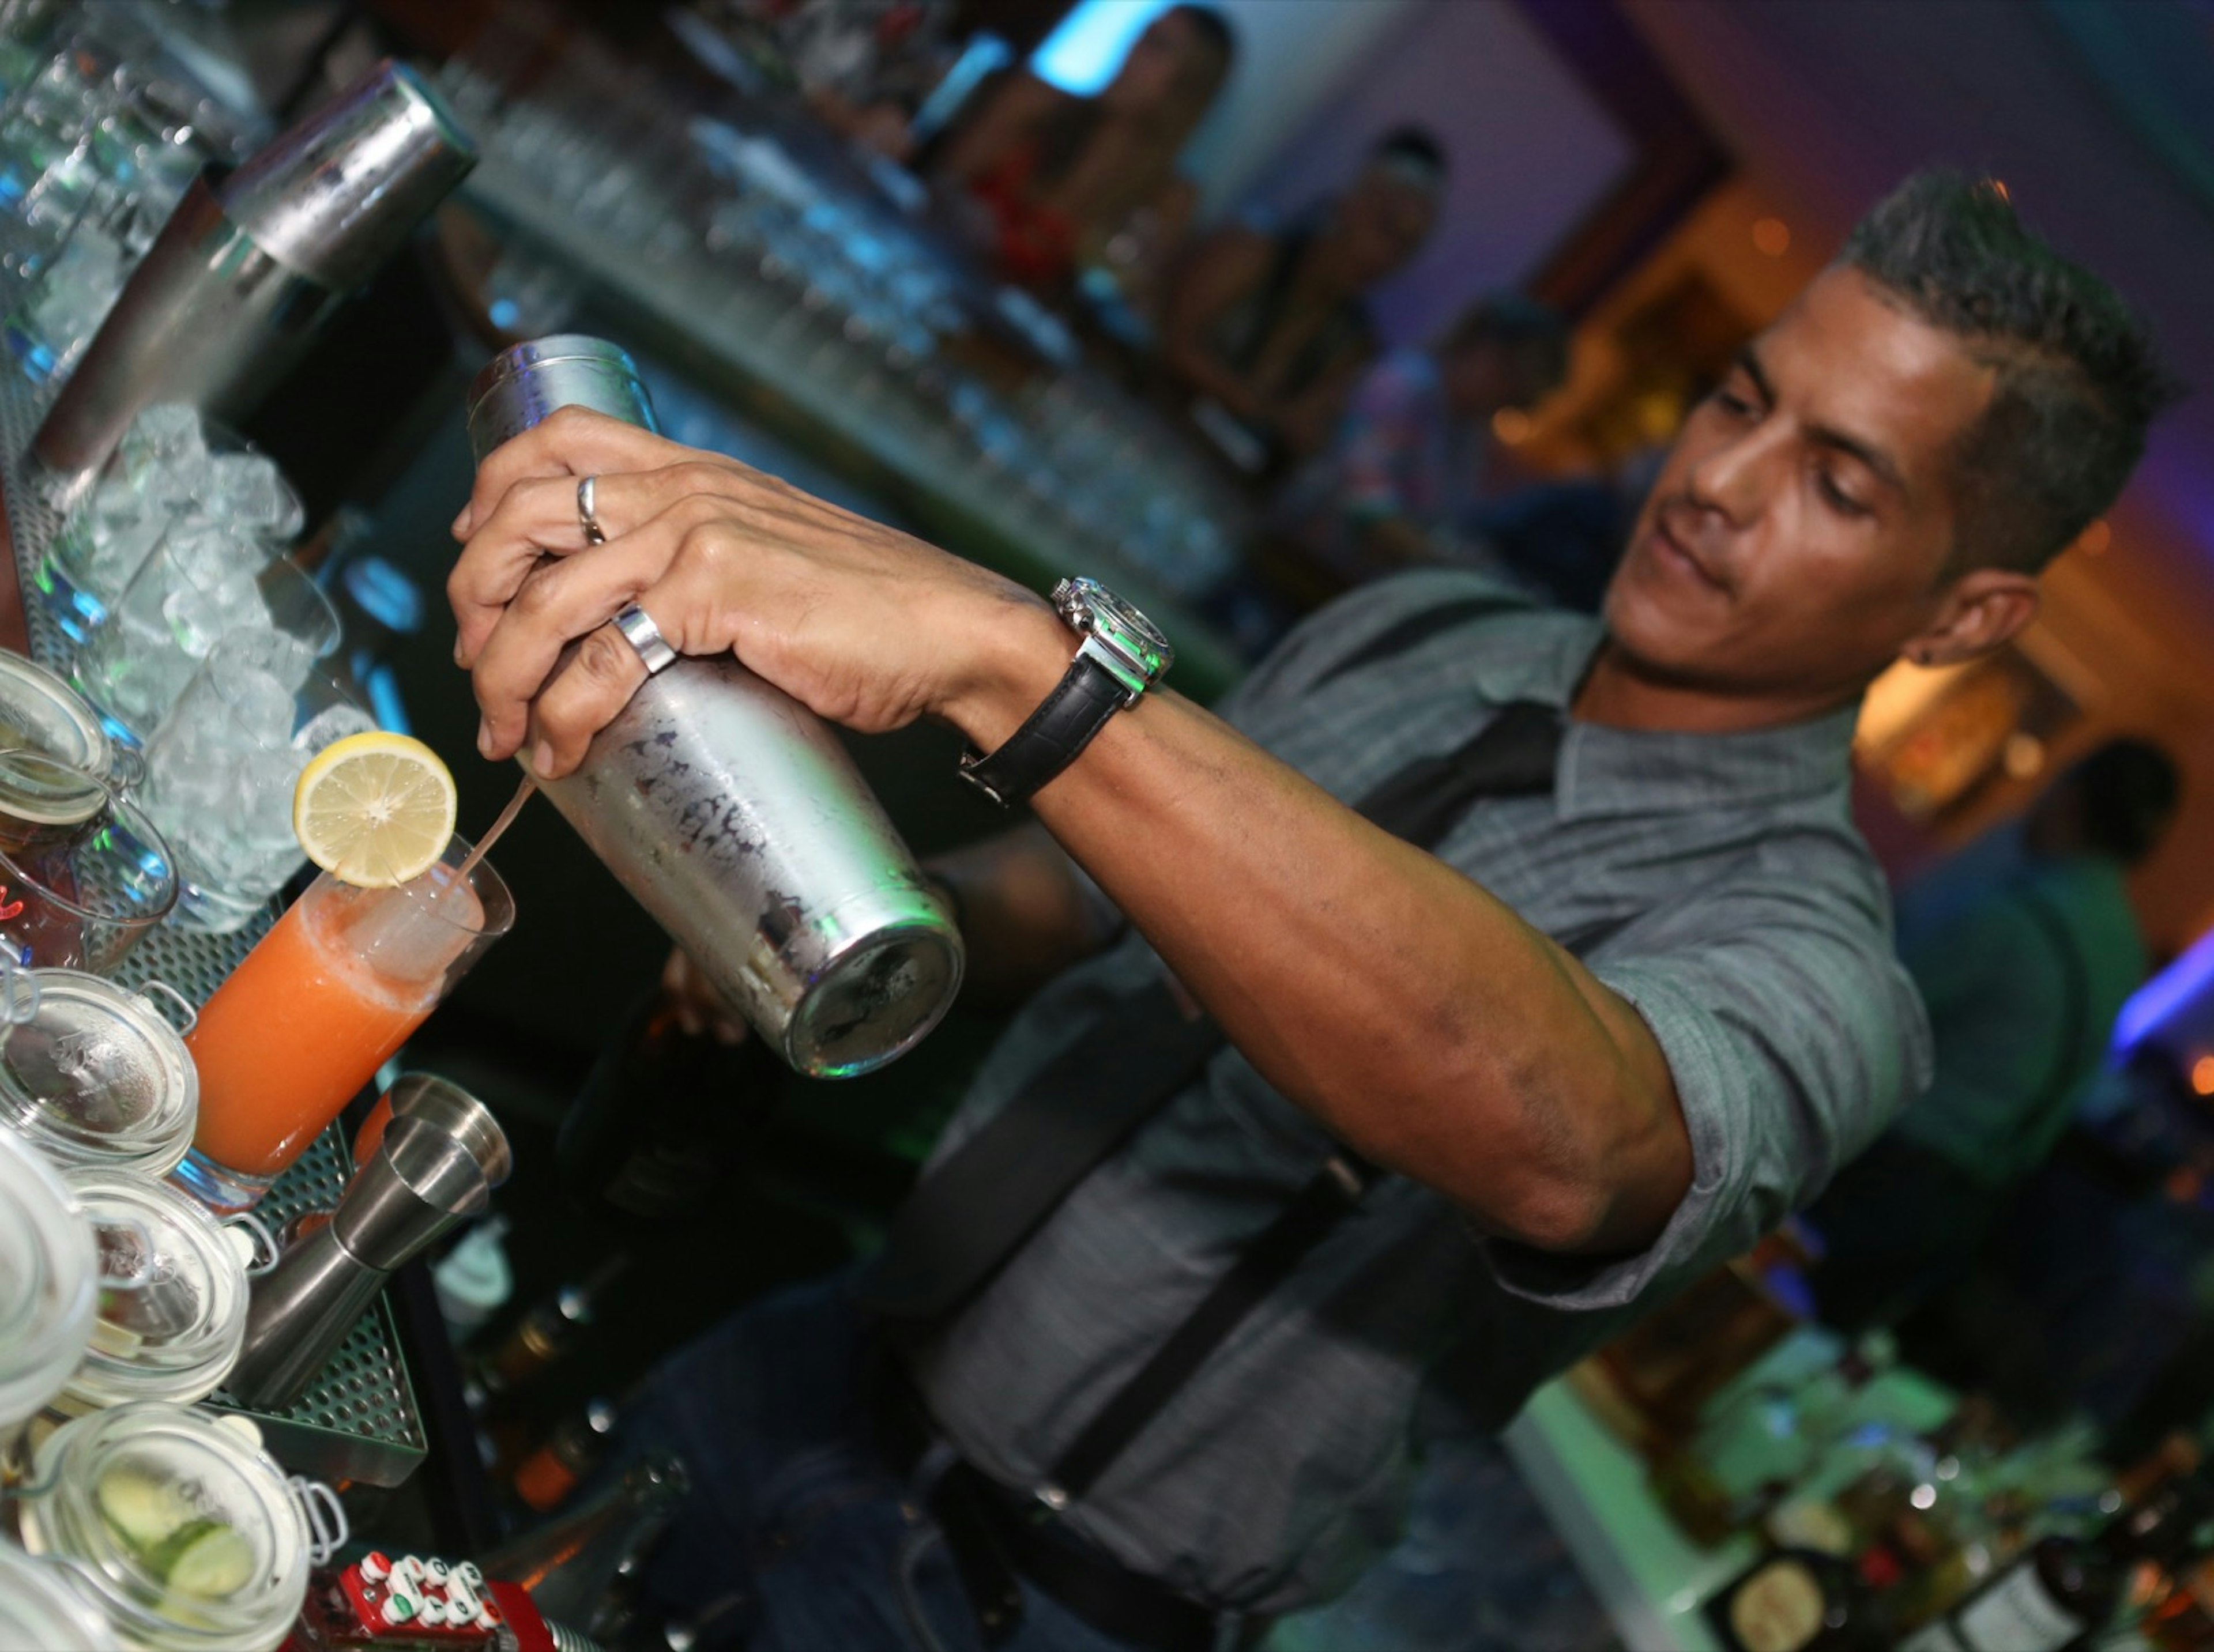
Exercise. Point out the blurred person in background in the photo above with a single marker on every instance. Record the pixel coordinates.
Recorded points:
(1272, 328)
(2025, 948)
(1561, 538)
(1058, 176)
(1407, 468)
(865, 65)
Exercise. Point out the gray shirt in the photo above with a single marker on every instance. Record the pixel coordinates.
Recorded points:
(1713, 882)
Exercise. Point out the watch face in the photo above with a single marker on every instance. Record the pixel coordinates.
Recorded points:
(1097, 611)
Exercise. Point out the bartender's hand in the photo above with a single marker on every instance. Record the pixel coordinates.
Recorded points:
(867, 626)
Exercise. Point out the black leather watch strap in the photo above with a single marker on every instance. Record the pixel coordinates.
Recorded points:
(1050, 737)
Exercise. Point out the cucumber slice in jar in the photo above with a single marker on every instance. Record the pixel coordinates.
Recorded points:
(143, 1508)
(210, 1560)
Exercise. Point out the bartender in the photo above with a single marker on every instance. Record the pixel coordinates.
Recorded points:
(1478, 976)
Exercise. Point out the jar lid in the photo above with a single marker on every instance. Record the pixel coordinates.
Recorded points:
(97, 1077)
(175, 1332)
(40, 1606)
(49, 1282)
(184, 1529)
(38, 708)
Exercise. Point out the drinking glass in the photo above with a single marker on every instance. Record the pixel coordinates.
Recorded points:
(220, 774)
(83, 874)
(70, 295)
(204, 582)
(324, 1000)
(172, 467)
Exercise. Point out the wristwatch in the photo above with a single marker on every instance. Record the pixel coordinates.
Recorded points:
(1123, 655)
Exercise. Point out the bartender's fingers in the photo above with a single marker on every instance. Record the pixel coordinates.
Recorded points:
(584, 698)
(555, 604)
(569, 441)
(539, 515)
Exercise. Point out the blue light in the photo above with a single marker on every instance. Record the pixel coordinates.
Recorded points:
(1082, 54)
(2188, 981)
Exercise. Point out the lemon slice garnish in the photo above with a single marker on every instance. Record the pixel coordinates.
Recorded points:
(375, 810)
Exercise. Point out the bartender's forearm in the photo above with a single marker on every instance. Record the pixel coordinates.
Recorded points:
(1024, 916)
(1414, 1014)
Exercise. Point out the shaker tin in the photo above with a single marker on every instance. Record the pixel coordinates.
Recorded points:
(736, 816)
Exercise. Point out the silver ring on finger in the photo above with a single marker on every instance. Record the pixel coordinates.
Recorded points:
(586, 517)
(644, 638)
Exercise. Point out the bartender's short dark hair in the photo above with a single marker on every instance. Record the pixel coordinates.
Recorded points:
(2078, 378)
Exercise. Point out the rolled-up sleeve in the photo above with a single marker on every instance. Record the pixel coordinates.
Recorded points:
(1793, 1036)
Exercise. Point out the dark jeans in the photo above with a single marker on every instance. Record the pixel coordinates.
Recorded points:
(798, 1536)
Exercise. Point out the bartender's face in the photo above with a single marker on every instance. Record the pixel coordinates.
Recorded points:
(1802, 530)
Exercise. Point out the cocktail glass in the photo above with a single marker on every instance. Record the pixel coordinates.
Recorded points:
(173, 466)
(203, 583)
(325, 999)
(220, 775)
(83, 874)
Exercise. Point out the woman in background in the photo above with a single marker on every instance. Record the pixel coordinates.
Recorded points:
(1273, 328)
(1059, 176)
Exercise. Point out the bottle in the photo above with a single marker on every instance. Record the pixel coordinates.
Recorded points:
(547, 1332)
(665, 1120)
(581, 1568)
(733, 813)
(544, 1480)
(1767, 1434)
(2065, 1588)
(1796, 1600)
(2178, 1610)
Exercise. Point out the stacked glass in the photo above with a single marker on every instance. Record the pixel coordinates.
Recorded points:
(221, 772)
(173, 473)
(99, 138)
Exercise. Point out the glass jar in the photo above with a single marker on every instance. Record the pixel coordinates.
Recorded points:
(49, 1284)
(42, 1604)
(173, 1333)
(183, 1527)
(40, 711)
(96, 1076)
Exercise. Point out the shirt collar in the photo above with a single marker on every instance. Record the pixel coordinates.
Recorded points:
(1609, 770)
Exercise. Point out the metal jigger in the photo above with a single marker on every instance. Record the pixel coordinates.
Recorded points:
(440, 1157)
(247, 268)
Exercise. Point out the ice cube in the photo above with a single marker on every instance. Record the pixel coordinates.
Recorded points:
(109, 539)
(200, 615)
(409, 937)
(206, 551)
(246, 491)
(74, 294)
(331, 724)
(263, 707)
(163, 446)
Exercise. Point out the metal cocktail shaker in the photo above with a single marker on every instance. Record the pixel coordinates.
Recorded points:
(735, 816)
(246, 269)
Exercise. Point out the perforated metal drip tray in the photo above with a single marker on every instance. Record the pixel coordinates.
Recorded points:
(359, 1420)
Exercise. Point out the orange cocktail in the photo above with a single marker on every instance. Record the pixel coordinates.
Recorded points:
(328, 996)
